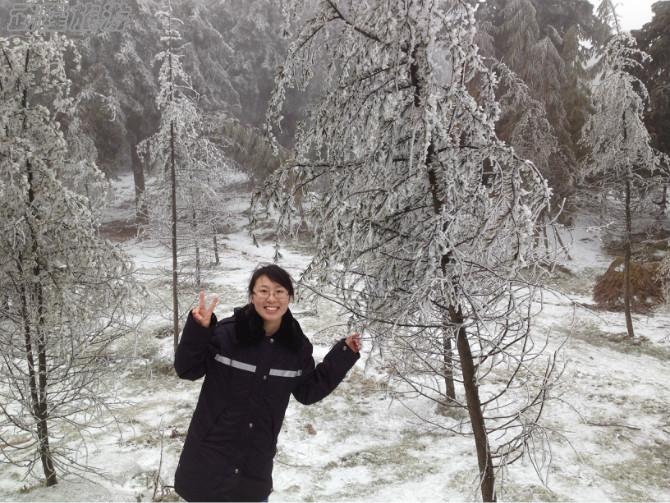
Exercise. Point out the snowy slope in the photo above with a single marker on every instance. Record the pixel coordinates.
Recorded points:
(609, 429)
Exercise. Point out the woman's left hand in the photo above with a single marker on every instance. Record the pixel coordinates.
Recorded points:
(354, 342)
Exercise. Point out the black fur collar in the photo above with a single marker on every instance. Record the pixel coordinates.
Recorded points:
(249, 328)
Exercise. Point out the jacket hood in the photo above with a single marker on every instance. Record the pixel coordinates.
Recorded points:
(249, 328)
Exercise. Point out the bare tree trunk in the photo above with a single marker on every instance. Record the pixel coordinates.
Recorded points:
(38, 397)
(468, 369)
(38, 383)
(562, 244)
(141, 210)
(42, 412)
(216, 247)
(37, 392)
(487, 476)
(448, 366)
(173, 178)
(38, 387)
(173, 183)
(88, 198)
(626, 265)
(198, 266)
(663, 203)
(447, 354)
(486, 473)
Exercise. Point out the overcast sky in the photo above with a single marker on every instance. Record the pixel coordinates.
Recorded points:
(633, 13)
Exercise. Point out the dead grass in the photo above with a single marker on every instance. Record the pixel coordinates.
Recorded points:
(119, 230)
(647, 289)
(592, 334)
(638, 479)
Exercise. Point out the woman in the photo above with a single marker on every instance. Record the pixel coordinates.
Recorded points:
(252, 363)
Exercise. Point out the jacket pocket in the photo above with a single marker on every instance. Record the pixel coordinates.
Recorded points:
(215, 426)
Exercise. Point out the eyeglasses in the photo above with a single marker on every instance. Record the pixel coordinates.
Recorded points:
(265, 294)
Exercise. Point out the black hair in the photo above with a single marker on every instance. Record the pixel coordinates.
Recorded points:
(276, 274)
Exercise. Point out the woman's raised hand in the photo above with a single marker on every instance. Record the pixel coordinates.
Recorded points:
(354, 342)
(203, 314)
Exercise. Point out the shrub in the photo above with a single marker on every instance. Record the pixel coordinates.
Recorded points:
(646, 286)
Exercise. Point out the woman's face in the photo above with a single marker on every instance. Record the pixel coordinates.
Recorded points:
(270, 300)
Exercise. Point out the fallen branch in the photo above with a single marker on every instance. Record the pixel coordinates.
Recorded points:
(615, 425)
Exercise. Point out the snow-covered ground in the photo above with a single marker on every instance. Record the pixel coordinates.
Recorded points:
(609, 429)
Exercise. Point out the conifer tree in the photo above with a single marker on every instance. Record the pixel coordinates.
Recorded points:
(621, 158)
(116, 72)
(66, 288)
(540, 41)
(193, 168)
(425, 219)
(654, 39)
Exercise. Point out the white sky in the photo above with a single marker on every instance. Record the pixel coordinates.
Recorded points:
(633, 13)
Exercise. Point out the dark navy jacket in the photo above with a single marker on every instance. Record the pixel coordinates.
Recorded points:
(249, 379)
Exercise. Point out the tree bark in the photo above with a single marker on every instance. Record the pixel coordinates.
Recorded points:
(42, 411)
(216, 247)
(141, 209)
(626, 265)
(663, 203)
(447, 354)
(37, 393)
(38, 386)
(173, 179)
(468, 368)
(487, 476)
(198, 266)
(173, 186)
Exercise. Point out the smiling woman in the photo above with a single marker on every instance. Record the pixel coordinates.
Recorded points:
(270, 289)
(252, 362)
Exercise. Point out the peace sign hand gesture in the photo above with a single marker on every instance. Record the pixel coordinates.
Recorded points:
(202, 314)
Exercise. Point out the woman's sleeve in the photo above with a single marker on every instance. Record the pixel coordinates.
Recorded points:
(318, 382)
(189, 362)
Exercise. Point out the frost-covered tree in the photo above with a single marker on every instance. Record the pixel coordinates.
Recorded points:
(541, 41)
(523, 122)
(425, 221)
(254, 47)
(533, 54)
(65, 289)
(621, 157)
(193, 168)
(654, 39)
(116, 73)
